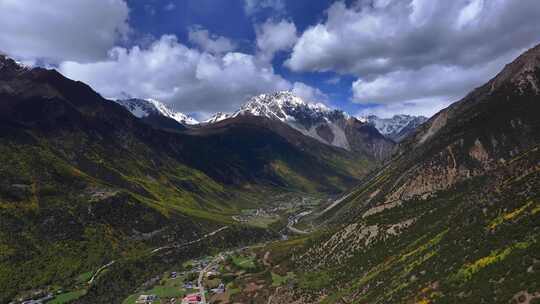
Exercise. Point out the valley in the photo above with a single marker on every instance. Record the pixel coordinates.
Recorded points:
(94, 196)
(288, 163)
(283, 214)
(454, 219)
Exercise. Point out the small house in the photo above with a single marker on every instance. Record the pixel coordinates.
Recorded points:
(146, 299)
(192, 299)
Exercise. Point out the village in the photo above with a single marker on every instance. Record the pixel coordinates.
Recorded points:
(212, 279)
(285, 206)
(199, 281)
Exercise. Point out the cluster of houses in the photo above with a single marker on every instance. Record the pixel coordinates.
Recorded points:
(150, 299)
(194, 298)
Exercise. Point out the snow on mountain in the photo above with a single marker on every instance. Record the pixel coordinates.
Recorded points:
(396, 127)
(145, 107)
(312, 119)
(219, 116)
(284, 106)
(329, 126)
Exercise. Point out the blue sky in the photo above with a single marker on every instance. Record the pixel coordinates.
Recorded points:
(203, 56)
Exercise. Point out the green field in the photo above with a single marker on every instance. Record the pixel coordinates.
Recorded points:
(85, 277)
(243, 262)
(165, 288)
(68, 297)
(278, 280)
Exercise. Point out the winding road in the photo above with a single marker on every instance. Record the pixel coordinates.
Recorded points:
(100, 269)
(295, 219)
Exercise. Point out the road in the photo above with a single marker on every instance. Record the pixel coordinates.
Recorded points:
(100, 269)
(335, 203)
(190, 242)
(201, 278)
(295, 219)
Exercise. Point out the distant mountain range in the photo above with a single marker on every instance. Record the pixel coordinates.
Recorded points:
(316, 120)
(397, 127)
(329, 126)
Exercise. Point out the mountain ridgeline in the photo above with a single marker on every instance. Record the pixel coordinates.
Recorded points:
(328, 126)
(454, 217)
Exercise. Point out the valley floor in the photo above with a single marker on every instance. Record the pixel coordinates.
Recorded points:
(170, 271)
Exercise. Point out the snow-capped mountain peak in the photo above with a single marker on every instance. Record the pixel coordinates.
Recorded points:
(145, 107)
(315, 120)
(282, 106)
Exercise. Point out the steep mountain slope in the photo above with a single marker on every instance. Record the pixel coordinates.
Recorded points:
(84, 182)
(454, 217)
(289, 152)
(332, 127)
(397, 127)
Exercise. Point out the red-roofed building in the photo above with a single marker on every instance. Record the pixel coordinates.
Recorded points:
(192, 299)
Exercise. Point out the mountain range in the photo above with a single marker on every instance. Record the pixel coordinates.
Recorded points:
(442, 210)
(84, 181)
(329, 126)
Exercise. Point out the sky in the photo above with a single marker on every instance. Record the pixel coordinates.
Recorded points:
(380, 57)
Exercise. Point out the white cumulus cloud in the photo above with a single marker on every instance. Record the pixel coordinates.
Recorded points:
(187, 79)
(403, 51)
(56, 30)
(208, 42)
(309, 93)
(274, 36)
